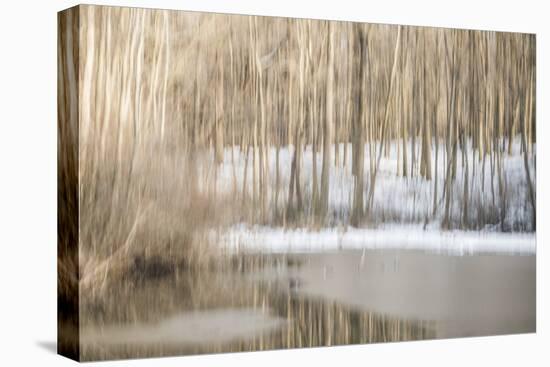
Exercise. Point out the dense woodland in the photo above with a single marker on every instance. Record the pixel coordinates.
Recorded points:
(191, 121)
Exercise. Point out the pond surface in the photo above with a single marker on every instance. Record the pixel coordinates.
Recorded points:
(315, 299)
(464, 295)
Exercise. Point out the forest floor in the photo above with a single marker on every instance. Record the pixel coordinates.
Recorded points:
(399, 199)
(402, 213)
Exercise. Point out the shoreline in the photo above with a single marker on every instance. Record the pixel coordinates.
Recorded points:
(405, 237)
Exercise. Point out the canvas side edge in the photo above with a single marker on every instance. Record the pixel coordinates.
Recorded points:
(68, 340)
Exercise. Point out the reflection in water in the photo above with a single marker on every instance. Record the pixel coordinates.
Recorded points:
(465, 295)
(300, 323)
(261, 302)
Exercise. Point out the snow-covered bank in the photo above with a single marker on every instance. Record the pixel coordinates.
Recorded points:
(410, 237)
(397, 198)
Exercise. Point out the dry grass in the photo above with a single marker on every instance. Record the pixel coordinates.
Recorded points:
(138, 185)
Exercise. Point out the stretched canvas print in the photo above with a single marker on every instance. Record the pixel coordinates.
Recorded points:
(239, 183)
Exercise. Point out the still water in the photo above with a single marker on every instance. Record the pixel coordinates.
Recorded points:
(314, 299)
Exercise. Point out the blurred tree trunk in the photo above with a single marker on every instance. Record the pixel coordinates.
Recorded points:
(329, 121)
(358, 145)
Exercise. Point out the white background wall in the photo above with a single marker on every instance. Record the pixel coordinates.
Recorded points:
(28, 181)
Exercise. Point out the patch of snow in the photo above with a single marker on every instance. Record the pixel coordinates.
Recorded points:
(405, 200)
(409, 237)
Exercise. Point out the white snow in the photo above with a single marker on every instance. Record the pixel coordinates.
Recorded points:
(410, 237)
(401, 216)
(397, 199)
